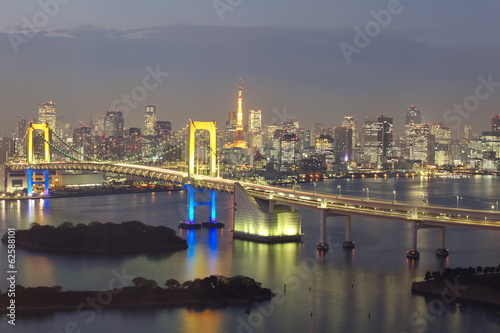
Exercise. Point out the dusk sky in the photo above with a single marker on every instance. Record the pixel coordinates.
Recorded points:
(86, 55)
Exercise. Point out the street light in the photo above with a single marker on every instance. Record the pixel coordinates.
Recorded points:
(314, 183)
(458, 200)
(394, 192)
(340, 190)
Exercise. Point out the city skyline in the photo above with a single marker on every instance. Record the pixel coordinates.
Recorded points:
(86, 63)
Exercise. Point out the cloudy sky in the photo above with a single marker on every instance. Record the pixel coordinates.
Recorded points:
(319, 60)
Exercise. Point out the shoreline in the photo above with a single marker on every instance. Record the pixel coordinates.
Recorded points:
(70, 195)
(459, 290)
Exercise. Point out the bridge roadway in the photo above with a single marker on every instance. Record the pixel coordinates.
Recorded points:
(425, 215)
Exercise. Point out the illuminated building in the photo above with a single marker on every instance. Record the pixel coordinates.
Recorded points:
(324, 146)
(412, 116)
(421, 144)
(239, 133)
(149, 120)
(316, 131)
(377, 140)
(47, 114)
(343, 144)
(350, 122)
(82, 140)
(113, 124)
(255, 127)
(163, 128)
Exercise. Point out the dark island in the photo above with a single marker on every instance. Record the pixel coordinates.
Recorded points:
(213, 290)
(479, 284)
(96, 237)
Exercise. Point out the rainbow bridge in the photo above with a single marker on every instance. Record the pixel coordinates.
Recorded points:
(270, 214)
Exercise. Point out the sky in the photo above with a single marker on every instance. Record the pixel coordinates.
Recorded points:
(319, 60)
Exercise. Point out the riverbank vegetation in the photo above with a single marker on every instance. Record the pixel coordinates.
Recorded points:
(212, 290)
(96, 237)
(481, 284)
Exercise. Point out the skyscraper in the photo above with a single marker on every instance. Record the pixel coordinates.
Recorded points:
(343, 144)
(377, 137)
(255, 127)
(350, 122)
(149, 120)
(163, 128)
(114, 124)
(495, 123)
(412, 116)
(47, 114)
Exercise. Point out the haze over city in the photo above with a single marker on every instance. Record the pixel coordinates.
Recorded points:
(84, 56)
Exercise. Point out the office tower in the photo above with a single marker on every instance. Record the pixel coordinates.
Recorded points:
(47, 114)
(495, 123)
(113, 124)
(377, 137)
(255, 127)
(7, 149)
(422, 143)
(350, 122)
(22, 127)
(343, 144)
(316, 131)
(149, 120)
(412, 116)
(163, 128)
(441, 132)
(82, 140)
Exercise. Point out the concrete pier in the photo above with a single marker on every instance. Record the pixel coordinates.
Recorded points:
(413, 252)
(442, 250)
(348, 243)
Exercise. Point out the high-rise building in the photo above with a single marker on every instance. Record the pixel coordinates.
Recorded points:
(149, 120)
(422, 143)
(163, 128)
(22, 127)
(316, 131)
(114, 124)
(495, 123)
(343, 144)
(377, 139)
(255, 127)
(441, 132)
(82, 140)
(47, 114)
(412, 116)
(350, 122)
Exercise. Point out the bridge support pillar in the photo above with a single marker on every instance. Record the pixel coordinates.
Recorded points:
(348, 243)
(442, 250)
(192, 203)
(264, 220)
(413, 252)
(322, 244)
(46, 181)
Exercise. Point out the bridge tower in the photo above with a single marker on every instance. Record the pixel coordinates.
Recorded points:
(211, 127)
(31, 157)
(46, 147)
